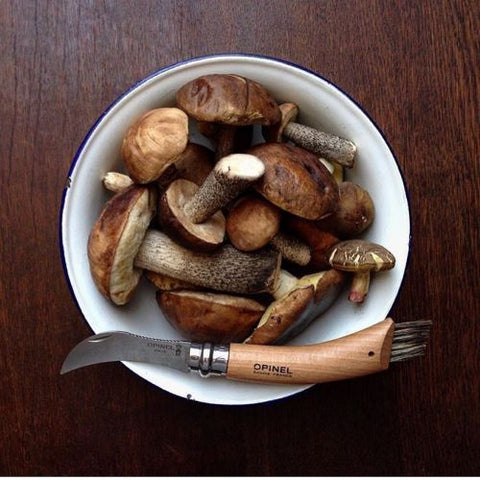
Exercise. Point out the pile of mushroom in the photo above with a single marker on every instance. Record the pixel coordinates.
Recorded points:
(247, 243)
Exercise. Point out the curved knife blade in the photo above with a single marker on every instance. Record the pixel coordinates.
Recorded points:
(124, 346)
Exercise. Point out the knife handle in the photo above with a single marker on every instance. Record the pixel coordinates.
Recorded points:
(361, 353)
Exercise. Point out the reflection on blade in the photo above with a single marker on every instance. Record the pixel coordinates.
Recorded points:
(123, 346)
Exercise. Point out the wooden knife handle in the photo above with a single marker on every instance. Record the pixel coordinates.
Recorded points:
(361, 353)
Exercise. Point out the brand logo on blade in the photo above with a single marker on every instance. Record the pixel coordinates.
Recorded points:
(268, 369)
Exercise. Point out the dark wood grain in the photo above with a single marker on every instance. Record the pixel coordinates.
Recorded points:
(414, 67)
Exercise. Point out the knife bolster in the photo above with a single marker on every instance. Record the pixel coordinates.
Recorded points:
(208, 359)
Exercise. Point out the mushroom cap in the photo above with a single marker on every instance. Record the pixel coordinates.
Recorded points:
(153, 142)
(115, 239)
(360, 256)
(194, 164)
(228, 99)
(205, 236)
(252, 223)
(274, 133)
(296, 181)
(281, 314)
(210, 317)
(355, 211)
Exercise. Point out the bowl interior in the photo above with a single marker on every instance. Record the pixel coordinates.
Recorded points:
(321, 105)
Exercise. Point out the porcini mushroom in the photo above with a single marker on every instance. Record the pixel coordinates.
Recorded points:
(210, 317)
(361, 258)
(298, 302)
(296, 181)
(190, 213)
(252, 222)
(228, 101)
(328, 145)
(153, 142)
(120, 247)
(355, 211)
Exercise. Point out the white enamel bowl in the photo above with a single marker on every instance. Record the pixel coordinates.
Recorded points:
(321, 105)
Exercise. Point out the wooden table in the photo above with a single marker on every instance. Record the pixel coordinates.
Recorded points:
(414, 66)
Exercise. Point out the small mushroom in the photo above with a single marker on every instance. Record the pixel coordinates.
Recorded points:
(191, 214)
(298, 302)
(229, 101)
(254, 222)
(327, 145)
(361, 258)
(355, 211)
(210, 317)
(153, 142)
(120, 246)
(296, 181)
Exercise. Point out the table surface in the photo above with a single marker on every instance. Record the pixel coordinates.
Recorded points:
(414, 67)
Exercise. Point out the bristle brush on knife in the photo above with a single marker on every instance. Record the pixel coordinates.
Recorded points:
(368, 351)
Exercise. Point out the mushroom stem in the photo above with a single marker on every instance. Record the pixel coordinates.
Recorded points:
(227, 269)
(225, 141)
(359, 287)
(327, 145)
(116, 181)
(291, 248)
(231, 175)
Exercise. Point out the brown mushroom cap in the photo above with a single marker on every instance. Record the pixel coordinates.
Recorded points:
(115, 239)
(355, 211)
(296, 181)
(153, 142)
(194, 164)
(281, 314)
(210, 317)
(360, 256)
(205, 236)
(252, 222)
(228, 99)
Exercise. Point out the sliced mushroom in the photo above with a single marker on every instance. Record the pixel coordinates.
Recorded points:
(315, 236)
(327, 145)
(355, 211)
(228, 101)
(190, 213)
(361, 258)
(298, 302)
(153, 142)
(120, 247)
(296, 181)
(210, 317)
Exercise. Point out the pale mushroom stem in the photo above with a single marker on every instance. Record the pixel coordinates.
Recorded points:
(231, 175)
(359, 287)
(226, 269)
(332, 147)
(292, 249)
(116, 181)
